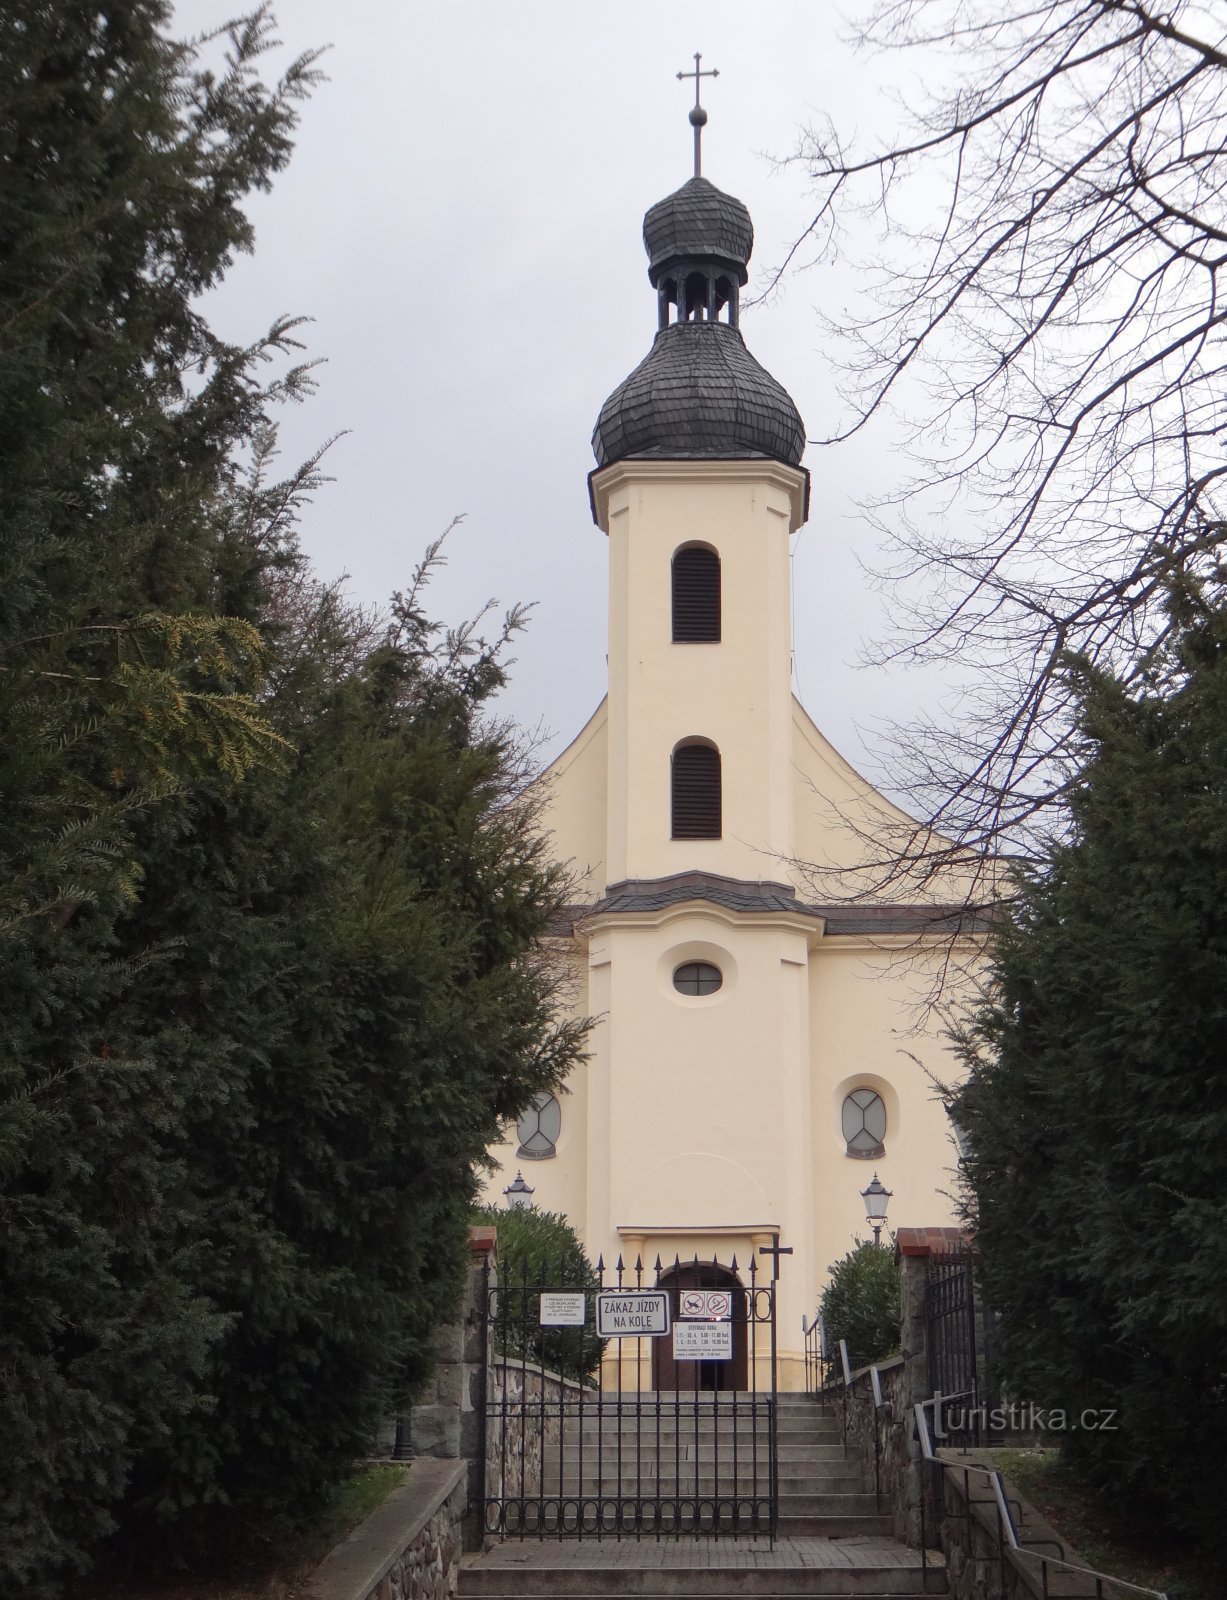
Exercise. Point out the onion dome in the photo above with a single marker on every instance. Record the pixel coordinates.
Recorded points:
(698, 221)
(699, 393)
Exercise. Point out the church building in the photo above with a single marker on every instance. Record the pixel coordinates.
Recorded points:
(755, 1056)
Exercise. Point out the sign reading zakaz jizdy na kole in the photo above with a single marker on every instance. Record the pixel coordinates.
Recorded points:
(632, 1313)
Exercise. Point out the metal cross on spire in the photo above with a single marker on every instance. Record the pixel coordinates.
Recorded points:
(698, 116)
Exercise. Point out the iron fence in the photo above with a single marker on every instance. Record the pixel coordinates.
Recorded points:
(635, 1402)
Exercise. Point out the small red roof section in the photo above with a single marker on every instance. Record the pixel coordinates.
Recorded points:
(932, 1242)
(483, 1241)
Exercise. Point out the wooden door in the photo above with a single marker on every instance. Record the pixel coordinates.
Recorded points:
(701, 1375)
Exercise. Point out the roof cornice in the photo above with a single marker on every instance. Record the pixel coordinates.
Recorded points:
(603, 482)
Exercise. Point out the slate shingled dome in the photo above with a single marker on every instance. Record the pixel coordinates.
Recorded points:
(698, 221)
(699, 393)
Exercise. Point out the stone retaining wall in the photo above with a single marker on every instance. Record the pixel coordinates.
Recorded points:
(898, 1456)
(905, 1380)
(408, 1548)
(525, 1408)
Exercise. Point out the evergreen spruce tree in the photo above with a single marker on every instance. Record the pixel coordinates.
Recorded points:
(360, 966)
(269, 895)
(123, 678)
(1096, 1108)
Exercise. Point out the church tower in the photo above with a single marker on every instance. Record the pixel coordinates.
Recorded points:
(746, 1062)
(698, 487)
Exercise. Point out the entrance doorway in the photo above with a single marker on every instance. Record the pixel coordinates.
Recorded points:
(710, 1376)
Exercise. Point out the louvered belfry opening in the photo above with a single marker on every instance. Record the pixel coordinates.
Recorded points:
(696, 792)
(696, 595)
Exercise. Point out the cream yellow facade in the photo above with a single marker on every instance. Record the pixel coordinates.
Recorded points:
(706, 1123)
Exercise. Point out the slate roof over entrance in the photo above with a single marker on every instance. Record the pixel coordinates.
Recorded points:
(638, 895)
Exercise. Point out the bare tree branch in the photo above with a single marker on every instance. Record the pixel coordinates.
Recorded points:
(1052, 328)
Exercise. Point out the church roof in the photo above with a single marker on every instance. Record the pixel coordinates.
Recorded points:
(699, 393)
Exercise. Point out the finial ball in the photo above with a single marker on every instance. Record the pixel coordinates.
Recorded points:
(698, 117)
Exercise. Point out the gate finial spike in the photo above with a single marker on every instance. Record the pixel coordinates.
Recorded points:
(677, 1261)
(733, 1265)
(600, 1266)
(658, 1263)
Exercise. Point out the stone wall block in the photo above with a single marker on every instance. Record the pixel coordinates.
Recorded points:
(450, 1383)
(434, 1430)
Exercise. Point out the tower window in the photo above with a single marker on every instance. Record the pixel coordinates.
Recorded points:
(696, 791)
(864, 1124)
(697, 977)
(538, 1129)
(696, 595)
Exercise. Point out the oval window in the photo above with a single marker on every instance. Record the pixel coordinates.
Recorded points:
(697, 977)
(864, 1124)
(539, 1127)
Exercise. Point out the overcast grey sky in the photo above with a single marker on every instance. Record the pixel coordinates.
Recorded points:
(462, 221)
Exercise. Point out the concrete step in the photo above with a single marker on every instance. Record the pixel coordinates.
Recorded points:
(608, 1422)
(867, 1580)
(688, 1450)
(703, 1483)
(839, 1527)
(705, 1428)
(856, 1503)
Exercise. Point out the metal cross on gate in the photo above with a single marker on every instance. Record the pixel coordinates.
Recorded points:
(697, 114)
(775, 1250)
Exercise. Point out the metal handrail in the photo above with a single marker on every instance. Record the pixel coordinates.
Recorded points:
(1005, 1518)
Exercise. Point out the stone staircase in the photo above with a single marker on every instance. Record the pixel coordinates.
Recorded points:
(831, 1538)
(821, 1492)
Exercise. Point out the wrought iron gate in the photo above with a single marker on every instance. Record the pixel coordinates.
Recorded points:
(950, 1318)
(582, 1439)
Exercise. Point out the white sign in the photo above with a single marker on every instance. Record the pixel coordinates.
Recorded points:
(562, 1311)
(714, 1305)
(702, 1341)
(632, 1313)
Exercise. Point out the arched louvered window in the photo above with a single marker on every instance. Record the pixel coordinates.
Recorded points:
(696, 595)
(696, 791)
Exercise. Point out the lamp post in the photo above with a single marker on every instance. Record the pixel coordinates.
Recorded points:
(518, 1195)
(876, 1197)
